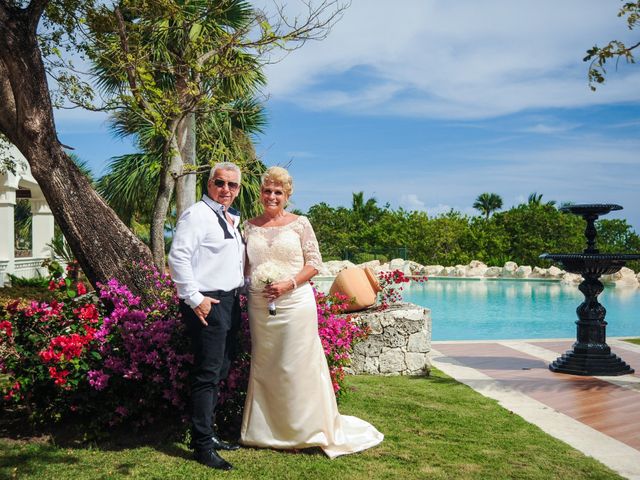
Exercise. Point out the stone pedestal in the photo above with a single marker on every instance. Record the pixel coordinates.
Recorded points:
(399, 342)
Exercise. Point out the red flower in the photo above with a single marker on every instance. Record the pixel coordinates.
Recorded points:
(81, 288)
(59, 377)
(87, 312)
(7, 327)
(15, 388)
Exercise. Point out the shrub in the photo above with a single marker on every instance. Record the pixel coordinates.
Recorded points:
(46, 351)
(143, 350)
(38, 281)
(128, 363)
(339, 333)
(71, 355)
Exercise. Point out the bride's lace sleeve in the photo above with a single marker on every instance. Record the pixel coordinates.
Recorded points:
(310, 248)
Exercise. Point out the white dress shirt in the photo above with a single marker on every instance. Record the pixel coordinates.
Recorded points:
(201, 258)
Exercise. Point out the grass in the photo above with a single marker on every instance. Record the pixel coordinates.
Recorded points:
(434, 428)
(26, 293)
(633, 340)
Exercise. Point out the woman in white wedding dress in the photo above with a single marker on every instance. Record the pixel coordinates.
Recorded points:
(290, 400)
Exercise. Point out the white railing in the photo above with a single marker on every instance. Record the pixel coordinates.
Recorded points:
(4, 265)
(30, 267)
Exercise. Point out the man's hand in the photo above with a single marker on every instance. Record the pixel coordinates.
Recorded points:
(204, 308)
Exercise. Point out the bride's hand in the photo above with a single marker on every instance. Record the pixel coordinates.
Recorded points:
(274, 290)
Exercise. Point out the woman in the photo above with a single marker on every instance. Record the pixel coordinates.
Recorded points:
(290, 401)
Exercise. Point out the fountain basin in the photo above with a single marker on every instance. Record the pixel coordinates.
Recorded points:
(591, 208)
(591, 263)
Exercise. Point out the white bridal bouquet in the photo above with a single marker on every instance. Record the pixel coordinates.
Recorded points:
(266, 274)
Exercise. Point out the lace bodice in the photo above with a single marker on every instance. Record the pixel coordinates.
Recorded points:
(290, 247)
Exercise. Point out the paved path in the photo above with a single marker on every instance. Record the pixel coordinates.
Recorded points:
(599, 416)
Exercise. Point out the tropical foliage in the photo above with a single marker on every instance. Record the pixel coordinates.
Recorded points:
(174, 73)
(519, 234)
(487, 203)
(90, 357)
(164, 62)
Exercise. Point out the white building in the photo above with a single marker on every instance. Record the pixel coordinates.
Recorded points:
(14, 187)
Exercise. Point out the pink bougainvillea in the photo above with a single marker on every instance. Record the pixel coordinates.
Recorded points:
(338, 333)
(392, 283)
(130, 362)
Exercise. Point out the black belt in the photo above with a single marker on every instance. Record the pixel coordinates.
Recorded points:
(221, 293)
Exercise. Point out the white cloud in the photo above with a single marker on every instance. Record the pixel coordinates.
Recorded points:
(550, 128)
(581, 169)
(462, 59)
(410, 201)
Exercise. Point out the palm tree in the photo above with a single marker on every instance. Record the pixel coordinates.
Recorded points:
(535, 200)
(188, 69)
(364, 210)
(487, 203)
(132, 180)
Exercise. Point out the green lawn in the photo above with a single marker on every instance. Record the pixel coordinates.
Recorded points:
(436, 428)
(633, 340)
(9, 294)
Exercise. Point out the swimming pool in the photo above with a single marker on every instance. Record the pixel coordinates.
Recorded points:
(509, 309)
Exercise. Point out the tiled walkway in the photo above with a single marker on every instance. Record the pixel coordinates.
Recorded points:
(598, 415)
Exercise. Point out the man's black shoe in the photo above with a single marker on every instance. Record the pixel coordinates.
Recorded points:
(210, 458)
(222, 445)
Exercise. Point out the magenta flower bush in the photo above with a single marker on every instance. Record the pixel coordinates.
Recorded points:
(142, 349)
(129, 363)
(73, 356)
(339, 333)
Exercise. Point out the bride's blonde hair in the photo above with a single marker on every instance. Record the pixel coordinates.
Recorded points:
(278, 176)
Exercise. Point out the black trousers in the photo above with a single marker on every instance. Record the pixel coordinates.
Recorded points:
(213, 348)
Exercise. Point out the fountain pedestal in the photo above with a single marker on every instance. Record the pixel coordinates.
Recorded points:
(590, 354)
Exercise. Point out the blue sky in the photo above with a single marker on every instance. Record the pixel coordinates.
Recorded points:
(429, 105)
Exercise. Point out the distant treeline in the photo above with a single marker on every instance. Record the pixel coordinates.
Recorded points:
(520, 234)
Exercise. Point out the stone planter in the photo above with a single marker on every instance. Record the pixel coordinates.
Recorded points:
(399, 342)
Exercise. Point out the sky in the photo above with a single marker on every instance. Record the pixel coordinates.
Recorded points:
(426, 104)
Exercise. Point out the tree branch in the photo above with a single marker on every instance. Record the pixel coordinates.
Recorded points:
(131, 77)
(633, 46)
(35, 11)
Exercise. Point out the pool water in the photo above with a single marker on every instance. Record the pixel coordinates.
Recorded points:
(504, 309)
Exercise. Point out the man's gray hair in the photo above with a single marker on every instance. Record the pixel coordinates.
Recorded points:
(226, 166)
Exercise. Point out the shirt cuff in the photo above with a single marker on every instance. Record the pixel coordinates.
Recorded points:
(194, 300)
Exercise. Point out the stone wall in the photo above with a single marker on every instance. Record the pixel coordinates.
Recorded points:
(476, 269)
(399, 342)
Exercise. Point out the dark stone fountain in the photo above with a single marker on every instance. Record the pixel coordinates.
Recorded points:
(590, 354)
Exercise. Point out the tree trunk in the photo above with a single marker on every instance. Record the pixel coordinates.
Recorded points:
(171, 167)
(103, 245)
(186, 182)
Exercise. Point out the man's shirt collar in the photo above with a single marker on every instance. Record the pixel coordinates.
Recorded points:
(218, 207)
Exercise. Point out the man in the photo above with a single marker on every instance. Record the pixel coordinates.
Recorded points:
(207, 263)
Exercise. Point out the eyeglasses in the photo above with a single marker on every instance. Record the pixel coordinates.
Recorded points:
(233, 186)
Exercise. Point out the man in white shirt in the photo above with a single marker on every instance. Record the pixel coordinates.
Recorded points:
(207, 266)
